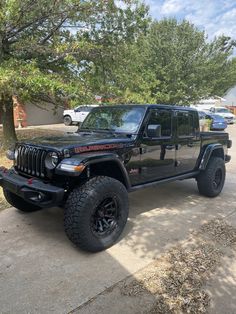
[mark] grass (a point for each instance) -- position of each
(22, 134)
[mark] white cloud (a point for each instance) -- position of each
(216, 17)
(171, 7)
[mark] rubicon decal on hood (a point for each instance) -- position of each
(90, 148)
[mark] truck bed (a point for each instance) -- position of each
(212, 137)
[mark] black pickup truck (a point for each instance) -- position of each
(118, 149)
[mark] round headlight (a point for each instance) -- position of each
(10, 154)
(51, 160)
(16, 153)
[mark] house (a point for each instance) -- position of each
(40, 114)
(206, 104)
(231, 100)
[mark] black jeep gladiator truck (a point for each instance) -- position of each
(117, 149)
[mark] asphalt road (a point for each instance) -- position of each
(42, 272)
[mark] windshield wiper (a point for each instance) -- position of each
(116, 133)
(111, 131)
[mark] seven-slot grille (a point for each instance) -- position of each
(31, 160)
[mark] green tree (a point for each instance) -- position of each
(110, 68)
(168, 62)
(44, 49)
(181, 66)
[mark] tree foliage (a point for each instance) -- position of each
(72, 50)
(45, 48)
(172, 63)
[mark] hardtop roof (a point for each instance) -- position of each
(152, 106)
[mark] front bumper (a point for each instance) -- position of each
(230, 120)
(31, 190)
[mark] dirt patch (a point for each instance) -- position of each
(177, 279)
(220, 231)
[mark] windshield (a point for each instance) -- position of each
(117, 119)
(223, 110)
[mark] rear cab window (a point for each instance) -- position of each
(185, 124)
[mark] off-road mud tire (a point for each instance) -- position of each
(80, 209)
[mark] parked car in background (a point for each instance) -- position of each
(224, 113)
(76, 115)
(217, 123)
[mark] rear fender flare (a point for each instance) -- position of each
(208, 152)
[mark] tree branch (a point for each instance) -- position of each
(43, 41)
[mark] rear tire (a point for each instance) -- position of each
(19, 203)
(67, 120)
(96, 213)
(211, 181)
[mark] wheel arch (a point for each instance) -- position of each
(98, 164)
(212, 150)
(112, 167)
(67, 115)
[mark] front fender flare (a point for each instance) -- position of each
(93, 158)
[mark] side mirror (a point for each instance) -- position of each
(154, 130)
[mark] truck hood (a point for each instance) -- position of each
(82, 139)
(68, 111)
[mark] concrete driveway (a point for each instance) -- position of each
(42, 272)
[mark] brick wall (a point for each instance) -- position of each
(20, 115)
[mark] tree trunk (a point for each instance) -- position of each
(9, 133)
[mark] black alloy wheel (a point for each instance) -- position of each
(105, 217)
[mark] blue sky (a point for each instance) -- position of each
(216, 17)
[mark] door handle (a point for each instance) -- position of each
(170, 147)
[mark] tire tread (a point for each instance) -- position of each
(205, 179)
(77, 204)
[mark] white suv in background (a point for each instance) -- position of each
(76, 115)
(224, 113)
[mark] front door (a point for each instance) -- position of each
(158, 154)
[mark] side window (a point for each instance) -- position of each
(185, 123)
(201, 115)
(163, 118)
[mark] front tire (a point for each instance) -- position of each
(96, 213)
(67, 120)
(211, 181)
(19, 203)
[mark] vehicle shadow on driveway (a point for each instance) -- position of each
(158, 216)
(162, 215)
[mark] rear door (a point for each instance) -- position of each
(158, 154)
(187, 140)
